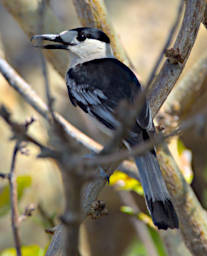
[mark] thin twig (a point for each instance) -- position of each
(159, 138)
(50, 99)
(167, 43)
(14, 201)
(72, 182)
(4, 175)
(20, 134)
(27, 212)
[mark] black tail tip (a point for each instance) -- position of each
(163, 214)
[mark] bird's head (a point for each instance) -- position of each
(82, 43)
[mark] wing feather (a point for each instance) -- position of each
(100, 85)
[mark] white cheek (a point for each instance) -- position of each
(78, 49)
(87, 50)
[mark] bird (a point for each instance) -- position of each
(97, 82)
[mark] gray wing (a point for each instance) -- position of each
(92, 101)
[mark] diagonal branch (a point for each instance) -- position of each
(156, 140)
(178, 55)
(191, 214)
(167, 43)
(50, 100)
(188, 90)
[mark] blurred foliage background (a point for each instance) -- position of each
(143, 27)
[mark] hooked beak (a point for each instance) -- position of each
(49, 37)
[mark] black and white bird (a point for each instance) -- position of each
(97, 82)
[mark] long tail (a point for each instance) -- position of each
(157, 197)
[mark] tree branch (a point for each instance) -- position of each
(188, 90)
(174, 243)
(167, 43)
(20, 133)
(193, 222)
(19, 130)
(177, 57)
(72, 178)
(192, 216)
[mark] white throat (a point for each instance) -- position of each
(90, 49)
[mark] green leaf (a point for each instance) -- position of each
(23, 182)
(157, 242)
(31, 250)
(127, 210)
(136, 249)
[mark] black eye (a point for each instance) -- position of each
(81, 37)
